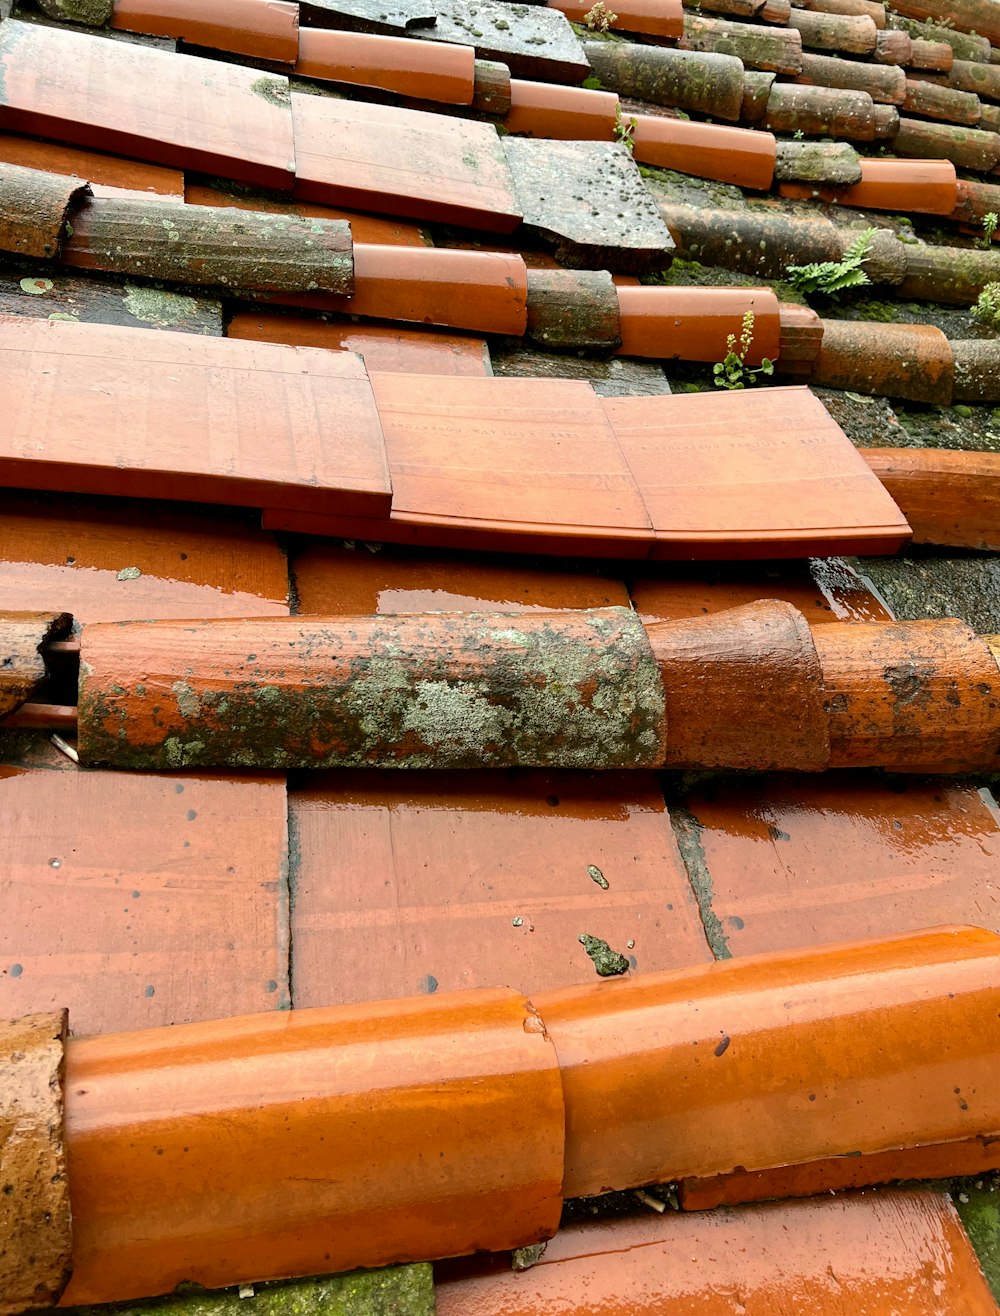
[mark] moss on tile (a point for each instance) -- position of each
(393, 1291)
(978, 1204)
(924, 586)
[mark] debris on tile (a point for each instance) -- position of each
(607, 962)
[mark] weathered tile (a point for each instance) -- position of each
(402, 162)
(140, 900)
(412, 883)
(370, 15)
(857, 1255)
(768, 472)
(236, 250)
(800, 862)
(23, 634)
(381, 347)
(258, 29)
(105, 560)
(59, 296)
(179, 110)
(532, 40)
(478, 459)
(33, 209)
(611, 379)
(588, 198)
(364, 228)
(188, 417)
(938, 586)
(342, 581)
(101, 171)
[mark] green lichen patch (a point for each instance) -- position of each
(94, 13)
(978, 1203)
(155, 306)
(608, 963)
(394, 1291)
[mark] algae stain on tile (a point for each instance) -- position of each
(155, 306)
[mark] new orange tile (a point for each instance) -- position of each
(402, 162)
(479, 459)
(140, 900)
(153, 104)
(693, 324)
(183, 416)
(381, 347)
(364, 228)
(800, 862)
(103, 172)
(259, 29)
(412, 882)
(858, 1255)
(351, 582)
(763, 473)
(430, 71)
(114, 561)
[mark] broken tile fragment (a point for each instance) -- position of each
(22, 662)
(133, 100)
(402, 162)
(239, 250)
(33, 209)
(588, 199)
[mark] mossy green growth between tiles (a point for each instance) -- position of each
(393, 1291)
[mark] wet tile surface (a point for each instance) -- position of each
(111, 560)
(100, 170)
(342, 581)
(798, 862)
(140, 900)
(414, 882)
(856, 1255)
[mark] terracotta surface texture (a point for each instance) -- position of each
(104, 172)
(731, 155)
(489, 459)
(142, 901)
(112, 562)
(727, 486)
(35, 1228)
(381, 347)
(430, 881)
(276, 434)
(856, 1255)
(433, 71)
(761, 1042)
(948, 497)
(800, 863)
(33, 208)
(119, 97)
(402, 162)
(563, 689)
(22, 662)
(260, 29)
(694, 323)
(232, 1113)
(574, 113)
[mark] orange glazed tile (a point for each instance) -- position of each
(430, 71)
(183, 416)
(742, 156)
(542, 109)
(495, 457)
(355, 582)
(798, 862)
(103, 172)
(904, 1253)
(482, 290)
(139, 900)
(762, 474)
(834, 593)
(135, 100)
(402, 162)
(259, 29)
(452, 880)
(926, 187)
(105, 561)
(381, 347)
(364, 228)
(692, 324)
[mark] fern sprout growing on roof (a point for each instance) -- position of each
(832, 277)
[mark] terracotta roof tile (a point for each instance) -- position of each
(259, 29)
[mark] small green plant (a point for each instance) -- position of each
(732, 371)
(599, 17)
(832, 277)
(624, 128)
(990, 221)
(987, 308)
(798, 134)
